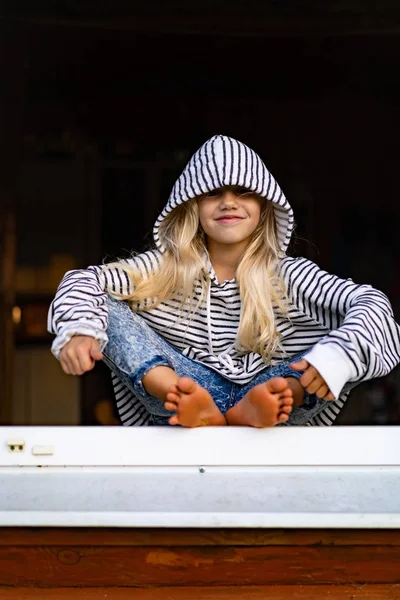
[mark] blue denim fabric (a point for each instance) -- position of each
(134, 348)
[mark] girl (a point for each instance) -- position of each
(219, 326)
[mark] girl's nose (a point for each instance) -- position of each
(228, 198)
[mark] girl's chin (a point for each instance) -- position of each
(229, 240)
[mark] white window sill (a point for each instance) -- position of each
(207, 477)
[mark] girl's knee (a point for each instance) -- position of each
(121, 315)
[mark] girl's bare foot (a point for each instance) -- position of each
(265, 405)
(193, 405)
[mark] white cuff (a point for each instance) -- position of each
(333, 365)
(68, 332)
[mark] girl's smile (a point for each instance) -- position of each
(230, 215)
(229, 219)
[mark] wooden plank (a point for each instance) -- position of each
(319, 592)
(61, 566)
(26, 536)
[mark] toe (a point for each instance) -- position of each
(287, 400)
(282, 418)
(173, 420)
(172, 397)
(276, 384)
(187, 385)
(286, 410)
(287, 393)
(170, 405)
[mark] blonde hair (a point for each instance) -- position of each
(183, 267)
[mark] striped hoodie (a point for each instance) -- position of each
(348, 329)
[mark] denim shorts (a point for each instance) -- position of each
(134, 348)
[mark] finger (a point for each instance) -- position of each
(76, 367)
(95, 351)
(322, 391)
(85, 360)
(64, 365)
(73, 363)
(69, 362)
(315, 385)
(300, 365)
(308, 376)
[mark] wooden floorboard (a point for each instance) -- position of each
(347, 592)
(57, 536)
(143, 564)
(124, 566)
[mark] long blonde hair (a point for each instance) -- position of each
(183, 267)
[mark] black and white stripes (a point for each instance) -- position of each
(348, 329)
(225, 161)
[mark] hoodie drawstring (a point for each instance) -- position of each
(210, 346)
(224, 358)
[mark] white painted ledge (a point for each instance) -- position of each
(206, 477)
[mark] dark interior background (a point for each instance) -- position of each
(104, 103)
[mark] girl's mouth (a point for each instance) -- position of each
(229, 219)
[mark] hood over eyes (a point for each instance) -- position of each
(223, 161)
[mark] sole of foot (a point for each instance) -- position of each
(265, 405)
(194, 406)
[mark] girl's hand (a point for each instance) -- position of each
(312, 381)
(79, 355)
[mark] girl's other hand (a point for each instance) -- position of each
(312, 381)
(79, 355)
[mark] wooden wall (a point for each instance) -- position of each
(144, 564)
